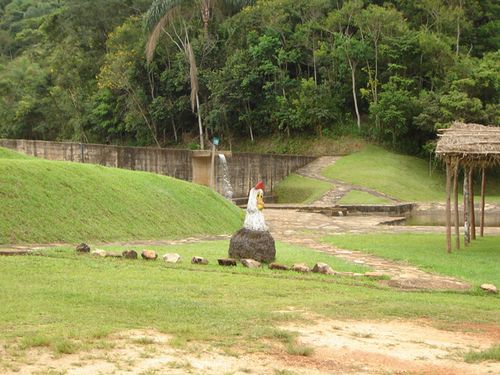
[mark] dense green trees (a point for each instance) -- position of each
(393, 71)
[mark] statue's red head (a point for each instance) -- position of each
(260, 185)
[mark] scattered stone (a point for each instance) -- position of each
(172, 258)
(489, 288)
(252, 244)
(227, 262)
(375, 274)
(250, 263)
(129, 254)
(111, 254)
(199, 260)
(276, 266)
(359, 261)
(301, 267)
(83, 248)
(149, 254)
(323, 268)
(14, 252)
(99, 252)
(357, 274)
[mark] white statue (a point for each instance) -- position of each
(254, 220)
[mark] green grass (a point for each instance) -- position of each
(360, 197)
(400, 176)
(5, 153)
(71, 302)
(491, 354)
(47, 201)
(478, 263)
(299, 189)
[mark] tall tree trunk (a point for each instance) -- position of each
(200, 126)
(205, 16)
(352, 65)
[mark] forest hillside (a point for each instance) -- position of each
(162, 72)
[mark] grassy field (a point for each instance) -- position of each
(71, 302)
(400, 176)
(299, 189)
(478, 263)
(360, 197)
(47, 201)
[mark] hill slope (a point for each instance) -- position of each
(47, 201)
(400, 176)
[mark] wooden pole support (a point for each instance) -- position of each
(472, 209)
(483, 195)
(448, 207)
(455, 196)
(466, 208)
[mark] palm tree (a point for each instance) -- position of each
(161, 13)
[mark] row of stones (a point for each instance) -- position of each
(322, 268)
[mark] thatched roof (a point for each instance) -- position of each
(470, 144)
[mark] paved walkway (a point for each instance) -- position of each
(313, 170)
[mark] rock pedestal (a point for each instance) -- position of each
(252, 244)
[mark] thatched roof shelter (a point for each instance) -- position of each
(468, 146)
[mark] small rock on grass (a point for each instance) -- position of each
(323, 268)
(171, 258)
(99, 252)
(489, 288)
(83, 248)
(149, 255)
(129, 254)
(250, 263)
(375, 274)
(112, 254)
(227, 262)
(277, 266)
(199, 260)
(301, 267)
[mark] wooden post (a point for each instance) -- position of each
(472, 210)
(455, 194)
(448, 206)
(466, 208)
(483, 191)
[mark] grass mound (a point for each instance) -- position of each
(360, 197)
(9, 154)
(400, 176)
(47, 201)
(299, 189)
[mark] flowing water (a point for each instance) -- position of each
(227, 189)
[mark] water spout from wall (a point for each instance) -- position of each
(227, 189)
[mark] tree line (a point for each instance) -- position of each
(151, 72)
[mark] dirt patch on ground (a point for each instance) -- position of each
(340, 347)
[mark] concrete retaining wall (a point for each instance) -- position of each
(245, 169)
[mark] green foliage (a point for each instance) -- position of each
(44, 201)
(76, 70)
(475, 264)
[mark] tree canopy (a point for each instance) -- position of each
(394, 71)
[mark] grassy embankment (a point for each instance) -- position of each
(400, 176)
(299, 189)
(46, 201)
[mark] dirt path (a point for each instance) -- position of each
(338, 347)
(313, 170)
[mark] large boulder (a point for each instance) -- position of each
(252, 244)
